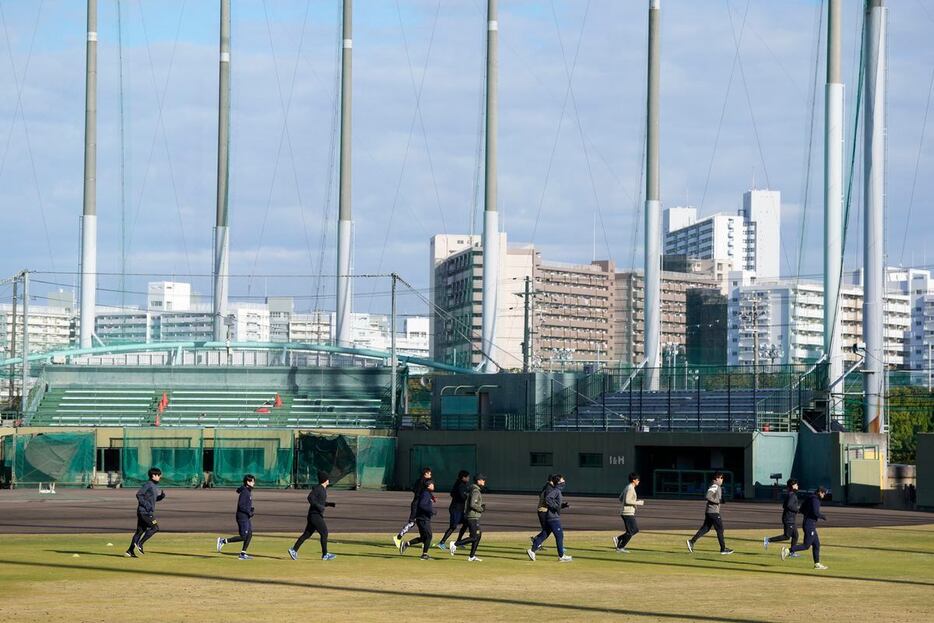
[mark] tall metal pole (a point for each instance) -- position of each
(527, 330)
(873, 229)
(25, 393)
(833, 197)
(13, 342)
(393, 357)
(653, 207)
(490, 213)
(345, 221)
(89, 212)
(221, 230)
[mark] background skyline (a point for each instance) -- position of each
(570, 160)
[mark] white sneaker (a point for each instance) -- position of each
(474, 559)
(690, 546)
(616, 543)
(784, 553)
(220, 543)
(452, 548)
(565, 558)
(531, 554)
(765, 542)
(819, 566)
(622, 550)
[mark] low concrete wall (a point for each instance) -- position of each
(924, 465)
(504, 457)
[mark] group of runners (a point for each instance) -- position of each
(466, 510)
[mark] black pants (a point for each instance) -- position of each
(811, 539)
(790, 532)
(315, 524)
(245, 532)
(474, 539)
(146, 526)
(456, 521)
(632, 529)
(711, 521)
(424, 533)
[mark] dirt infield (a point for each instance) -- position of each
(26, 511)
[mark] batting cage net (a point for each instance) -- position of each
(60, 458)
(266, 454)
(352, 462)
(178, 452)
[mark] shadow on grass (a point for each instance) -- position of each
(390, 593)
(115, 555)
(836, 545)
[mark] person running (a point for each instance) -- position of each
(318, 501)
(542, 510)
(811, 512)
(244, 518)
(417, 489)
(553, 503)
(473, 510)
(424, 511)
(146, 524)
(790, 507)
(712, 515)
(459, 492)
(628, 513)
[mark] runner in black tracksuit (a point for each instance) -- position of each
(811, 511)
(553, 503)
(146, 524)
(459, 493)
(542, 510)
(424, 511)
(473, 510)
(318, 501)
(712, 518)
(790, 507)
(244, 518)
(417, 489)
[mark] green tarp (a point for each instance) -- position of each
(178, 453)
(62, 458)
(352, 462)
(267, 455)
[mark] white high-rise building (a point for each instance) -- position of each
(169, 296)
(749, 240)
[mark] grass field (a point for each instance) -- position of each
(883, 574)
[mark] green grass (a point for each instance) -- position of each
(882, 574)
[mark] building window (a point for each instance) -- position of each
(590, 459)
(541, 459)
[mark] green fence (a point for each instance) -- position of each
(266, 454)
(179, 453)
(352, 462)
(62, 458)
(445, 461)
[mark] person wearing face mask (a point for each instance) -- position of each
(473, 509)
(553, 503)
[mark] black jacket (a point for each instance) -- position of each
(318, 499)
(459, 493)
(554, 502)
(426, 506)
(811, 509)
(245, 502)
(790, 507)
(147, 496)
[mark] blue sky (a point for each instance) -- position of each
(416, 168)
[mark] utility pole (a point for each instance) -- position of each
(13, 342)
(89, 211)
(344, 305)
(750, 316)
(833, 196)
(221, 230)
(527, 330)
(874, 226)
(490, 213)
(393, 357)
(25, 394)
(653, 206)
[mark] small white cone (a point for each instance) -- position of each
(75, 556)
(110, 545)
